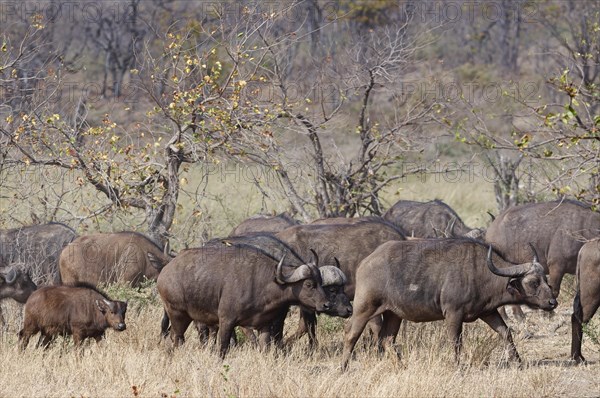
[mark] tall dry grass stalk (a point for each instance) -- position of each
(136, 363)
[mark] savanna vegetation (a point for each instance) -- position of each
(179, 119)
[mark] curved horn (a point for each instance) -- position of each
(11, 276)
(337, 263)
(513, 272)
(279, 272)
(300, 273)
(315, 257)
(535, 255)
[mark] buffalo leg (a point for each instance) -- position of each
(582, 313)
(78, 338)
(203, 332)
(353, 331)
(516, 310)
(307, 324)
(375, 324)
(165, 325)
(389, 330)
(264, 337)
(179, 324)
(277, 328)
(250, 336)
(577, 330)
(495, 321)
(226, 330)
(24, 337)
(454, 326)
(44, 340)
(555, 278)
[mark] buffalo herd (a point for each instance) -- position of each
(419, 262)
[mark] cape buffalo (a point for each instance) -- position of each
(235, 285)
(262, 223)
(587, 297)
(111, 257)
(333, 281)
(556, 229)
(450, 279)
(332, 277)
(36, 248)
(348, 242)
(432, 219)
(15, 284)
(80, 310)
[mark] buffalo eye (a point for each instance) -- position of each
(535, 284)
(309, 284)
(333, 290)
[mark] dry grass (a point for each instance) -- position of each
(136, 363)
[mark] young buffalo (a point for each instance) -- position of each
(80, 310)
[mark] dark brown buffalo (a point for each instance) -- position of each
(349, 243)
(263, 223)
(458, 280)
(333, 278)
(333, 285)
(237, 285)
(80, 311)
(555, 229)
(15, 284)
(111, 257)
(37, 249)
(434, 219)
(587, 296)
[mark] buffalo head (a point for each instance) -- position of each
(114, 313)
(527, 281)
(306, 284)
(333, 284)
(15, 284)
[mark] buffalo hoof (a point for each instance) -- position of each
(579, 359)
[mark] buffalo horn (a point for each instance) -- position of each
(513, 272)
(279, 273)
(337, 263)
(315, 257)
(10, 276)
(535, 255)
(302, 272)
(332, 276)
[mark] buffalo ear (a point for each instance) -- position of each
(101, 306)
(155, 261)
(513, 286)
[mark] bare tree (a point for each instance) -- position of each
(340, 184)
(195, 112)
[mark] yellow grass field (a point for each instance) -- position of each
(135, 363)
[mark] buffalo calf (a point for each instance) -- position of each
(80, 311)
